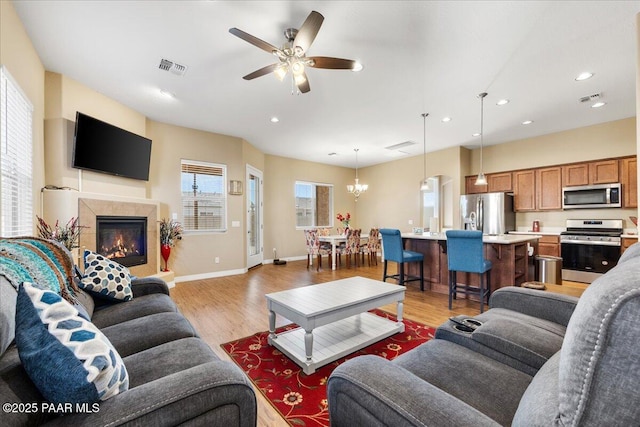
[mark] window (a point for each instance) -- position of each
(314, 204)
(16, 165)
(204, 199)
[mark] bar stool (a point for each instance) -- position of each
(465, 254)
(394, 251)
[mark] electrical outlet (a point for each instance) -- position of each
(217, 260)
(410, 222)
(174, 215)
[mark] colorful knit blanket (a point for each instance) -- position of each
(46, 263)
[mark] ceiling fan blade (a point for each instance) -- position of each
(304, 87)
(262, 71)
(267, 47)
(332, 63)
(309, 30)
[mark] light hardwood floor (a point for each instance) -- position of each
(227, 308)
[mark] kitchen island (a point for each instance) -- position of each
(510, 254)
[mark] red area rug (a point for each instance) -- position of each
(302, 399)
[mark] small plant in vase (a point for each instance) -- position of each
(170, 231)
(344, 220)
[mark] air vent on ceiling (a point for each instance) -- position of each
(168, 65)
(400, 145)
(589, 98)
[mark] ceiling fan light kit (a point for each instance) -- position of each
(293, 57)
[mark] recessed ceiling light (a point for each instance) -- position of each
(446, 119)
(598, 104)
(476, 134)
(584, 76)
(527, 122)
(167, 94)
(502, 102)
(274, 120)
(357, 67)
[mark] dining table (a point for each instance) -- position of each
(335, 240)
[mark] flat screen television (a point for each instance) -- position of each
(101, 147)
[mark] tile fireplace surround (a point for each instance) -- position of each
(89, 209)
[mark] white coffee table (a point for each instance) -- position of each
(333, 319)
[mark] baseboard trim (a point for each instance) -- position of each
(210, 275)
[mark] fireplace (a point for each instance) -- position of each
(122, 239)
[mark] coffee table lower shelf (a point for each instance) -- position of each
(335, 340)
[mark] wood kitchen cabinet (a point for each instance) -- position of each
(500, 182)
(549, 188)
(626, 242)
(577, 174)
(549, 245)
(472, 188)
(524, 190)
(629, 180)
(587, 173)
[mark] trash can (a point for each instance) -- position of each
(549, 269)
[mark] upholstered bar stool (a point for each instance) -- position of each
(465, 254)
(394, 251)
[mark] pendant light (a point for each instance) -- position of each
(481, 180)
(424, 185)
(358, 188)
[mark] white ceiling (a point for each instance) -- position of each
(433, 57)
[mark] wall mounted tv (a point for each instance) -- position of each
(101, 147)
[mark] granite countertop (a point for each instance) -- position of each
(629, 236)
(502, 239)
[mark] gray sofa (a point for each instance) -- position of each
(510, 377)
(174, 377)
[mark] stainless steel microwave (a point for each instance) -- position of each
(592, 196)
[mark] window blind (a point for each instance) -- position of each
(204, 199)
(16, 165)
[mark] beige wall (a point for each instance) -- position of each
(65, 97)
(196, 253)
(20, 58)
(280, 175)
(394, 197)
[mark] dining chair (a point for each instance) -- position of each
(315, 248)
(393, 250)
(351, 247)
(465, 253)
(371, 247)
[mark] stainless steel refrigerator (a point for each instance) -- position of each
(491, 213)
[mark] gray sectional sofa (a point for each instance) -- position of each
(534, 359)
(174, 376)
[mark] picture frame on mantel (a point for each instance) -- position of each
(235, 187)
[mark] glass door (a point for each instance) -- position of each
(255, 250)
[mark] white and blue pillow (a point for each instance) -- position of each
(105, 278)
(67, 357)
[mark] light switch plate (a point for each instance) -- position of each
(235, 223)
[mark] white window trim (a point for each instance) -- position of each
(21, 209)
(324, 184)
(223, 167)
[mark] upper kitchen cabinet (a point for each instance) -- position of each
(472, 188)
(538, 189)
(524, 190)
(629, 180)
(500, 182)
(599, 172)
(549, 188)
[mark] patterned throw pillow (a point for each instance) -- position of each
(105, 278)
(67, 357)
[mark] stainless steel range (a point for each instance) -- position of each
(590, 248)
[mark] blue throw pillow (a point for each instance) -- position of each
(105, 278)
(67, 357)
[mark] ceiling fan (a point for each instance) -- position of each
(293, 57)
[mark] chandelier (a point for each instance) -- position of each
(358, 188)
